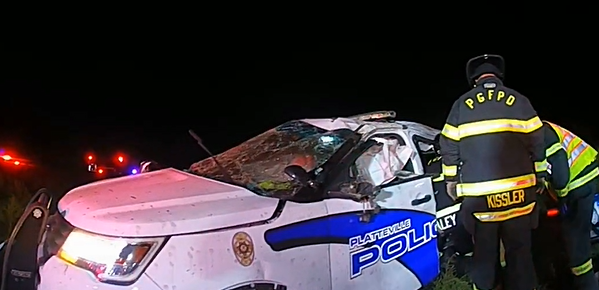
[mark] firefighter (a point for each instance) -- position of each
(575, 179)
(492, 145)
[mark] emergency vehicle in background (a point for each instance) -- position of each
(119, 165)
(10, 159)
(336, 203)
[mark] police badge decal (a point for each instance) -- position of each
(243, 248)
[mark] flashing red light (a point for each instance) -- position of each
(100, 171)
(552, 212)
(6, 157)
(90, 157)
(121, 159)
(17, 162)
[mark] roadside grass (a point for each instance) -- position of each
(14, 196)
(449, 280)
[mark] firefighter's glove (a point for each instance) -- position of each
(541, 185)
(451, 187)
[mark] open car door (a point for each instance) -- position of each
(391, 237)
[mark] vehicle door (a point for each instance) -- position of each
(390, 241)
(446, 207)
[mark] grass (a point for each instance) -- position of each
(450, 281)
(14, 196)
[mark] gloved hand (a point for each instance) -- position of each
(541, 185)
(451, 187)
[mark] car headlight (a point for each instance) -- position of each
(111, 260)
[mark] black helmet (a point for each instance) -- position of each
(483, 64)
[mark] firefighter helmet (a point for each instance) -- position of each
(483, 64)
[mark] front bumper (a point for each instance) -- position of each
(58, 275)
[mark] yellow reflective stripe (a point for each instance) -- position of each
(499, 216)
(491, 126)
(434, 160)
(553, 149)
(541, 166)
(449, 210)
(585, 267)
(500, 125)
(439, 178)
(450, 170)
(451, 132)
(496, 186)
(578, 182)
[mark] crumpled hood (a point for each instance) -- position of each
(161, 203)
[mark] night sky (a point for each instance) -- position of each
(60, 102)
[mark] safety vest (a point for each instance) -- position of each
(580, 155)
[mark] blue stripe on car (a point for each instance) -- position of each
(339, 228)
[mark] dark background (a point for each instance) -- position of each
(61, 101)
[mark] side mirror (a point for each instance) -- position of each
(366, 188)
(299, 174)
(359, 190)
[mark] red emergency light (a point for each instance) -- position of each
(552, 212)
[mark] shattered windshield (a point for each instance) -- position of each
(258, 164)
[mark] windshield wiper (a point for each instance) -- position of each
(223, 171)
